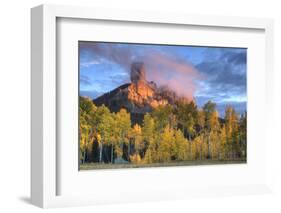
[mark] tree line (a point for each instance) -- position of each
(169, 133)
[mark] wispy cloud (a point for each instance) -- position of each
(85, 80)
(89, 63)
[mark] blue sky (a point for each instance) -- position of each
(204, 73)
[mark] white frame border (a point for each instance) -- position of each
(43, 91)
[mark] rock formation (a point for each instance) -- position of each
(138, 72)
(137, 97)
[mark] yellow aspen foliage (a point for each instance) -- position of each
(137, 138)
(223, 145)
(98, 137)
(215, 145)
(148, 158)
(136, 159)
(193, 149)
(201, 119)
(215, 125)
(180, 148)
(166, 145)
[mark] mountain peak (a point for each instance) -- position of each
(138, 97)
(140, 89)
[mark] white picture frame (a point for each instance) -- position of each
(45, 171)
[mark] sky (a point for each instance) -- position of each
(202, 73)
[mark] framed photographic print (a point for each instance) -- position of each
(149, 106)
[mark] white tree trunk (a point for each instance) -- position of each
(100, 152)
(129, 150)
(84, 156)
(111, 153)
(209, 146)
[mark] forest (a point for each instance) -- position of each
(183, 134)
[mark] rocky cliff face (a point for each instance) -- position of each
(138, 97)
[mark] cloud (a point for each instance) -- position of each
(162, 68)
(176, 73)
(112, 52)
(235, 58)
(89, 63)
(226, 79)
(90, 94)
(85, 80)
(225, 74)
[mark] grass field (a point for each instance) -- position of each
(91, 166)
